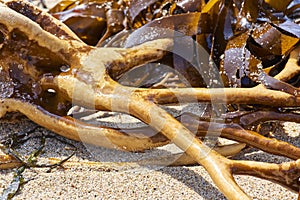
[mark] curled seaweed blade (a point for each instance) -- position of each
(191, 5)
(271, 42)
(268, 38)
(273, 83)
(278, 5)
(135, 7)
(250, 10)
(88, 21)
(234, 56)
(165, 27)
(289, 27)
(293, 11)
(213, 4)
(241, 51)
(64, 5)
(115, 23)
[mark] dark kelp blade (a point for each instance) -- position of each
(64, 5)
(272, 41)
(289, 27)
(234, 56)
(135, 7)
(278, 5)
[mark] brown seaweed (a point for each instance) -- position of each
(242, 55)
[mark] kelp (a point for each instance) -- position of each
(240, 57)
(268, 34)
(30, 161)
(15, 185)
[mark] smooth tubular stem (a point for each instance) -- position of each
(215, 164)
(286, 174)
(237, 133)
(80, 131)
(262, 116)
(64, 48)
(291, 68)
(139, 55)
(217, 95)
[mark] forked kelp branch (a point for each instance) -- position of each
(239, 57)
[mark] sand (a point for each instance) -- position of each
(111, 180)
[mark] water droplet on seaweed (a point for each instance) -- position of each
(65, 68)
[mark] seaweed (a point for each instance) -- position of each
(241, 58)
(30, 161)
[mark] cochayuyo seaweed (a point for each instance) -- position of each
(241, 58)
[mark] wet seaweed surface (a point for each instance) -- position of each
(250, 48)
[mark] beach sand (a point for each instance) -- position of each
(117, 177)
